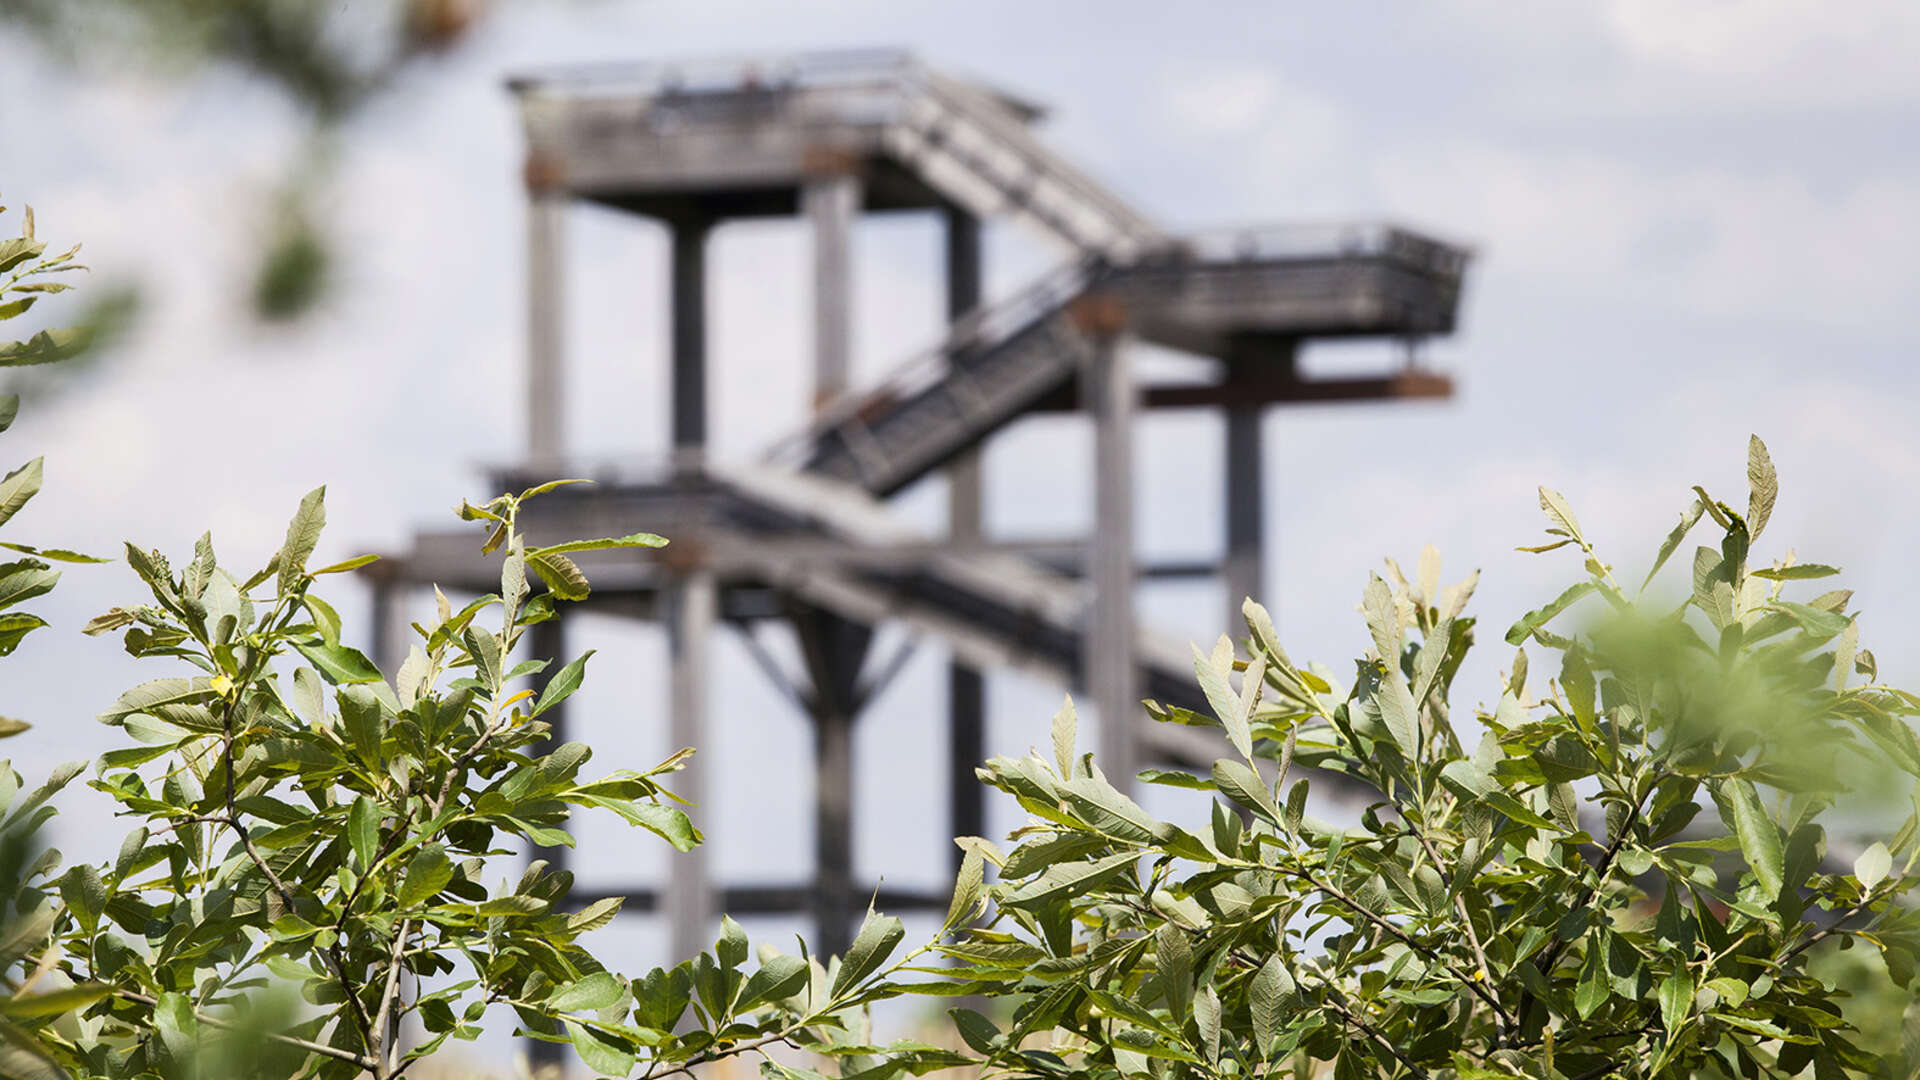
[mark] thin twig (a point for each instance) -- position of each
(385, 1013)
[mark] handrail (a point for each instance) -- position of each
(719, 72)
(959, 97)
(835, 82)
(1327, 239)
(985, 325)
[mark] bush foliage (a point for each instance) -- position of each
(1623, 867)
(1537, 894)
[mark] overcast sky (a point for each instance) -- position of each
(1694, 220)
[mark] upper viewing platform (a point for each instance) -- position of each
(736, 138)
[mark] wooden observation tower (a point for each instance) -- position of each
(804, 534)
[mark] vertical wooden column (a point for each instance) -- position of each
(1241, 567)
(966, 687)
(1112, 674)
(834, 650)
(830, 202)
(391, 633)
(546, 316)
(691, 603)
(689, 361)
(548, 641)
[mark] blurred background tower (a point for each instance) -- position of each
(803, 535)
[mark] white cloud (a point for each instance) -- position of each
(1774, 51)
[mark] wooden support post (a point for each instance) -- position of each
(689, 316)
(391, 634)
(833, 894)
(548, 641)
(546, 314)
(966, 686)
(692, 601)
(834, 650)
(1241, 567)
(831, 202)
(1112, 674)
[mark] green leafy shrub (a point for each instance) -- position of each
(1542, 898)
(308, 827)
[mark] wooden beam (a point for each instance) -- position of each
(1273, 391)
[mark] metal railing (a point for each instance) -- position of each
(1352, 239)
(862, 88)
(984, 327)
(718, 74)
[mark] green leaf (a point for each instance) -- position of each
(179, 1031)
(85, 894)
(667, 822)
(291, 928)
(428, 872)
(1676, 998)
(1237, 781)
(1672, 542)
(341, 665)
(56, 554)
(20, 485)
(562, 577)
(1763, 484)
(563, 683)
(55, 1002)
(484, 647)
(602, 1053)
(632, 540)
(878, 937)
(1872, 866)
(779, 977)
(1383, 620)
(1594, 987)
(968, 886)
(1732, 991)
(325, 619)
(1065, 879)
(1558, 512)
(594, 915)
(354, 563)
(1398, 712)
(363, 830)
(14, 627)
(594, 992)
(1271, 996)
(25, 579)
(1818, 623)
(1065, 727)
(1212, 671)
(513, 904)
(978, 1032)
(168, 699)
(1206, 1015)
(303, 532)
(1520, 631)
(1759, 836)
(1797, 572)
